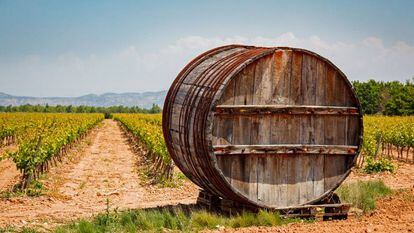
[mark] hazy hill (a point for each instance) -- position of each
(144, 100)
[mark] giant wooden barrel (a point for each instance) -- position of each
(269, 127)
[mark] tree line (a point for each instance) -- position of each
(79, 109)
(386, 98)
(376, 97)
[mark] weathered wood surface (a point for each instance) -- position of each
(283, 131)
(294, 105)
(284, 149)
(284, 109)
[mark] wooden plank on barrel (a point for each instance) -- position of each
(259, 135)
(278, 129)
(243, 94)
(244, 86)
(330, 87)
(262, 81)
(281, 183)
(262, 94)
(334, 170)
(305, 175)
(292, 197)
(330, 123)
(228, 95)
(307, 184)
(280, 83)
(318, 162)
(223, 129)
(342, 92)
(225, 166)
(308, 87)
(321, 83)
(341, 99)
(175, 119)
(294, 166)
(340, 162)
(334, 133)
(241, 131)
(261, 176)
(296, 79)
(271, 179)
(330, 130)
(266, 191)
(251, 175)
(281, 77)
(282, 133)
(309, 78)
(352, 133)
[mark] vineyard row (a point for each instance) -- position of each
(42, 138)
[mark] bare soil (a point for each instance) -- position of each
(102, 170)
(9, 175)
(401, 178)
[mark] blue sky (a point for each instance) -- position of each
(70, 48)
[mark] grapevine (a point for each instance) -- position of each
(385, 134)
(43, 138)
(147, 129)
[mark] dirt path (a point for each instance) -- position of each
(103, 170)
(9, 175)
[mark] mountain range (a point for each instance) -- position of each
(143, 100)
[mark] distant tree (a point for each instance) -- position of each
(155, 109)
(369, 95)
(69, 108)
(79, 109)
(389, 98)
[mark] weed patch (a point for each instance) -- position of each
(381, 165)
(362, 194)
(175, 219)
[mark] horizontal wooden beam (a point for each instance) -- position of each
(285, 109)
(284, 149)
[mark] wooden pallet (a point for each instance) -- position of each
(326, 211)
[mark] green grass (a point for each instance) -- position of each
(362, 194)
(12, 229)
(174, 219)
(34, 189)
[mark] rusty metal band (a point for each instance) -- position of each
(189, 106)
(171, 95)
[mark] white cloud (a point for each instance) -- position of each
(136, 69)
